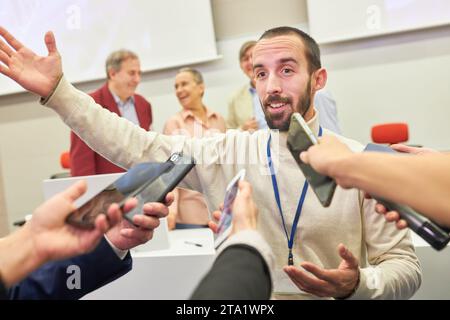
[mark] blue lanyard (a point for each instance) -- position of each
(290, 239)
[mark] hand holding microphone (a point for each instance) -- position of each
(335, 159)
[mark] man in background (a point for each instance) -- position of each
(117, 95)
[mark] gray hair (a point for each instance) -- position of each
(198, 78)
(115, 59)
(247, 45)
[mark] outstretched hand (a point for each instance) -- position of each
(34, 73)
(125, 236)
(53, 238)
(337, 283)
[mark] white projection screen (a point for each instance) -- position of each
(340, 20)
(164, 34)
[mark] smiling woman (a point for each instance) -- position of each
(86, 35)
(195, 120)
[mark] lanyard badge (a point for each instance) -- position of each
(290, 239)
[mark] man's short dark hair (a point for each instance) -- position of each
(312, 50)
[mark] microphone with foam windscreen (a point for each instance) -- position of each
(437, 236)
(390, 133)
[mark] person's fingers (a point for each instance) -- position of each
(245, 189)
(380, 208)
(306, 282)
(4, 58)
(75, 191)
(114, 214)
(101, 223)
(348, 256)
(304, 156)
(146, 222)
(401, 224)
(170, 198)
(6, 71)
(292, 273)
(13, 42)
(392, 216)
(367, 196)
(412, 150)
(5, 49)
(130, 204)
(213, 226)
(50, 42)
(137, 234)
(244, 199)
(216, 215)
(155, 209)
(400, 147)
(320, 273)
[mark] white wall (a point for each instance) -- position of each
(401, 77)
(397, 78)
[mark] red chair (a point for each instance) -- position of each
(390, 133)
(64, 161)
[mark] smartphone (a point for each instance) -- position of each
(171, 173)
(224, 227)
(148, 182)
(300, 138)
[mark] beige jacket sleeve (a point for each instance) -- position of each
(116, 138)
(390, 268)
(240, 108)
(232, 119)
(126, 144)
(394, 270)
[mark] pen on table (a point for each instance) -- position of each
(23, 221)
(193, 243)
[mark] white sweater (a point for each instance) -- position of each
(389, 267)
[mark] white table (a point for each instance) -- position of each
(435, 271)
(174, 273)
(165, 274)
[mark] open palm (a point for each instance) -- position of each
(34, 73)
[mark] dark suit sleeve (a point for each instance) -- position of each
(239, 273)
(3, 292)
(97, 268)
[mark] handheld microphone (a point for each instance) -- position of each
(437, 236)
(428, 230)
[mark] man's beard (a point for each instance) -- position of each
(302, 107)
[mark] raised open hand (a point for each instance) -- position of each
(34, 73)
